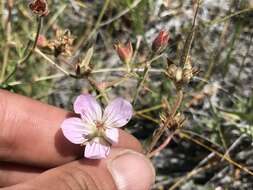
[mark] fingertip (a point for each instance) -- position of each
(125, 168)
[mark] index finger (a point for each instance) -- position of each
(30, 133)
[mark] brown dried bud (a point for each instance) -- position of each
(161, 42)
(125, 51)
(62, 44)
(39, 7)
(172, 122)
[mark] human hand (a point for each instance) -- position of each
(35, 155)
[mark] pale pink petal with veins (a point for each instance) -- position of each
(89, 109)
(75, 130)
(117, 113)
(112, 135)
(96, 150)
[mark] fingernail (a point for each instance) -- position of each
(132, 170)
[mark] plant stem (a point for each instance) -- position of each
(186, 136)
(52, 62)
(178, 102)
(162, 146)
(220, 20)
(147, 117)
(27, 56)
(149, 109)
(34, 43)
(161, 130)
(141, 82)
(8, 37)
(85, 39)
(122, 13)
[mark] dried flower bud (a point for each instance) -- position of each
(172, 122)
(161, 42)
(42, 41)
(125, 51)
(187, 71)
(39, 7)
(62, 44)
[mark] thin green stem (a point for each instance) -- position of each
(52, 62)
(147, 117)
(34, 43)
(220, 20)
(8, 37)
(85, 39)
(222, 156)
(28, 55)
(153, 108)
(44, 78)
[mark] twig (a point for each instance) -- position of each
(34, 43)
(52, 62)
(189, 39)
(147, 117)
(141, 82)
(220, 20)
(132, 6)
(149, 109)
(118, 69)
(222, 156)
(189, 175)
(85, 39)
(144, 75)
(180, 96)
(138, 43)
(28, 55)
(162, 146)
(8, 37)
(50, 77)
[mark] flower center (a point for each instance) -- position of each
(99, 125)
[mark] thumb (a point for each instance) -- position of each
(122, 170)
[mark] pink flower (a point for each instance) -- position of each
(96, 129)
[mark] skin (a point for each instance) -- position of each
(34, 154)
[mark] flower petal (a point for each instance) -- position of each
(112, 135)
(75, 130)
(89, 109)
(117, 113)
(96, 150)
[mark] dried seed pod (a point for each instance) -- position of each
(172, 122)
(62, 44)
(171, 70)
(187, 75)
(178, 75)
(187, 71)
(39, 7)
